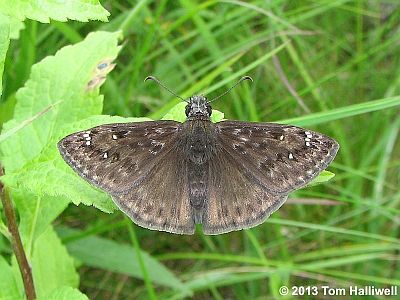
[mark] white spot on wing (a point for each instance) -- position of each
(236, 131)
(114, 137)
(281, 137)
(105, 155)
(290, 156)
(88, 143)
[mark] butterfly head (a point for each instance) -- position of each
(198, 106)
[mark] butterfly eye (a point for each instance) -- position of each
(187, 110)
(209, 109)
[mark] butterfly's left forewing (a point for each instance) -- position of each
(282, 158)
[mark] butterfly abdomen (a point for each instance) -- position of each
(198, 188)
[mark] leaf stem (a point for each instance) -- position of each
(16, 242)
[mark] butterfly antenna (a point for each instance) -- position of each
(164, 86)
(240, 80)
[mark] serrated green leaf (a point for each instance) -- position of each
(4, 43)
(62, 77)
(65, 293)
(45, 10)
(111, 256)
(177, 113)
(52, 267)
(8, 285)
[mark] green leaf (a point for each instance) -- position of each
(177, 113)
(52, 267)
(6, 111)
(323, 177)
(9, 288)
(111, 256)
(65, 293)
(16, 26)
(36, 213)
(64, 78)
(31, 136)
(4, 43)
(44, 10)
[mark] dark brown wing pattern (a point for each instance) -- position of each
(282, 158)
(115, 157)
(135, 163)
(236, 201)
(255, 167)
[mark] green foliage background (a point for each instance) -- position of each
(332, 66)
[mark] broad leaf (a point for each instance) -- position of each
(9, 288)
(52, 267)
(58, 82)
(58, 88)
(45, 10)
(65, 293)
(4, 42)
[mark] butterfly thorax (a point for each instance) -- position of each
(199, 142)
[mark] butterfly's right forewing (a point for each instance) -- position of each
(116, 157)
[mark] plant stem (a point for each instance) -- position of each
(16, 242)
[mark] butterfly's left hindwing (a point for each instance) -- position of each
(235, 200)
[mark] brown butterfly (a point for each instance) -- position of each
(169, 176)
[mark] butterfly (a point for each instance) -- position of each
(170, 176)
